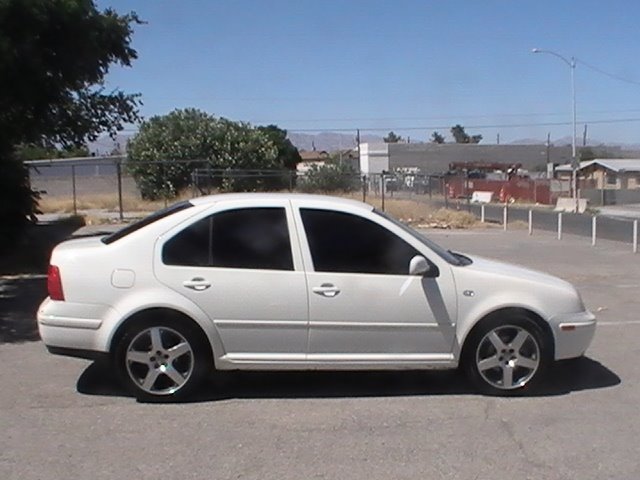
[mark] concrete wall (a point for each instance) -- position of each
(434, 158)
(610, 196)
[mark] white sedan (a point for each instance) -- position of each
(286, 281)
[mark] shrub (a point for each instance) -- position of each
(330, 177)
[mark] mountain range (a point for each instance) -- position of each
(333, 141)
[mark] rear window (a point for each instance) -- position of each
(154, 217)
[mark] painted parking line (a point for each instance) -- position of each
(618, 323)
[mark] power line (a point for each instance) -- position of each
(445, 127)
(607, 74)
(477, 127)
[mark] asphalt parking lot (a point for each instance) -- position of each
(63, 418)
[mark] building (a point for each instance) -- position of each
(432, 158)
(606, 181)
(313, 157)
(606, 173)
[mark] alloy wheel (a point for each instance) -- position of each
(159, 360)
(508, 357)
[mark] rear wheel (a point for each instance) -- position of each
(160, 360)
(507, 355)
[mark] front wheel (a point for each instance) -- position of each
(507, 356)
(161, 361)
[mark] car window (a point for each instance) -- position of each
(154, 217)
(341, 242)
(256, 238)
(448, 256)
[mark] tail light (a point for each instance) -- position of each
(54, 283)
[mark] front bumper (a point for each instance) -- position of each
(573, 333)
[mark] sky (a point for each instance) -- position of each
(408, 66)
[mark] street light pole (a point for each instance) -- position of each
(574, 160)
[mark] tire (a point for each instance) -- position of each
(507, 355)
(159, 360)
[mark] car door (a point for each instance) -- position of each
(239, 264)
(363, 304)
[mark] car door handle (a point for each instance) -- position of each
(197, 283)
(326, 290)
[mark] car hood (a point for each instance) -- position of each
(493, 267)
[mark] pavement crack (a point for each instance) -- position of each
(511, 433)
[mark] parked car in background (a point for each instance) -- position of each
(286, 281)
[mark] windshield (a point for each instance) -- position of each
(154, 217)
(446, 255)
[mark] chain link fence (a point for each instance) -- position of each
(108, 187)
(109, 184)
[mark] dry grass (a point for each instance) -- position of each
(518, 225)
(409, 211)
(104, 202)
(421, 214)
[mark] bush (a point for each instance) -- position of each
(330, 177)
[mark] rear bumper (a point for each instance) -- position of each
(76, 353)
(574, 333)
(71, 327)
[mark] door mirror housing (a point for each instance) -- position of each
(420, 266)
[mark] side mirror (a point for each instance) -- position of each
(419, 266)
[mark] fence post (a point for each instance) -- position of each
(593, 230)
(635, 236)
(430, 194)
(505, 217)
(530, 222)
(382, 189)
(119, 172)
(466, 189)
(560, 226)
(73, 186)
(446, 194)
(482, 213)
(364, 188)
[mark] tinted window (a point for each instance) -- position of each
(154, 217)
(192, 246)
(341, 242)
(452, 258)
(255, 238)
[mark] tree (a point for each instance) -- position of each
(392, 138)
(168, 149)
(38, 152)
(587, 153)
(598, 151)
(288, 155)
(54, 56)
(437, 138)
(460, 136)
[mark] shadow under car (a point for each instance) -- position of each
(564, 377)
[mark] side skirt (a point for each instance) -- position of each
(336, 362)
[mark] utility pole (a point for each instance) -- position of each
(549, 167)
(584, 136)
(575, 162)
(498, 139)
(358, 144)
